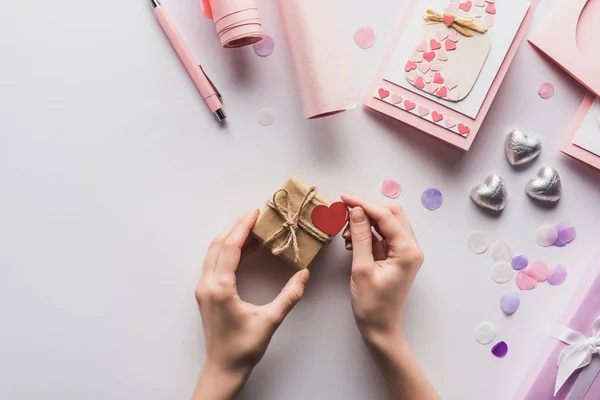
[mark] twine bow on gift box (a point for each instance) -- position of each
(463, 25)
(578, 354)
(293, 222)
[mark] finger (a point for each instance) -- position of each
(212, 255)
(289, 296)
(362, 240)
(398, 211)
(389, 225)
(348, 242)
(231, 251)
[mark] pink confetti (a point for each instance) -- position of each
(538, 270)
(546, 235)
(525, 282)
(391, 188)
(557, 275)
(364, 37)
(546, 90)
(264, 47)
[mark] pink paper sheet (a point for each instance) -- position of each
(583, 309)
(318, 52)
(436, 130)
(570, 38)
(575, 151)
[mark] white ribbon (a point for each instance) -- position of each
(577, 354)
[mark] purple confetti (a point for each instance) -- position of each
(500, 349)
(558, 275)
(566, 232)
(264, 47)
(559, 243)
(520, 262)
(432, 199)
(510, 302)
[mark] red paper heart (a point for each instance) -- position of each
(449, 19)
(462, 129)
(436, 116)
(419, 82)
(332, 219)
(410, 66)
(437, 78)
(491, 8)
(443, 92)
(466, 6)
(450, 45)
(429, 56)
(434, 44)
(409, 105)
(383, 93)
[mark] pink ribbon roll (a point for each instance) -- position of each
(237, 21)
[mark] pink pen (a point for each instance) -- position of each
(204, 85)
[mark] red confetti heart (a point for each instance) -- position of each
(409, 105)
(462, 129)
(450, 45)
(410, 66)
(466, 6)
(434, 44)
(443, 92)
(429, 56)
(419, 82)
(332, 219)
(449, 19)
(436, 116)
(491, 8)
(383, 93)
(437, 78)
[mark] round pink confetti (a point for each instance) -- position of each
(477, 242)
(557, 275)
(364, 37)
(546, 235)
(524, 281)
(546, 90)
(264, 47)
(390, 188)
(537, 270)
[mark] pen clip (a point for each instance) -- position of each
(211, 83)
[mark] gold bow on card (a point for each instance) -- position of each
(463, 25)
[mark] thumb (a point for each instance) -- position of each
(362, 239)
(289, 296)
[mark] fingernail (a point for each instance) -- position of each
(304, 274)
(357, 215)
(347, 234)
(348, 245)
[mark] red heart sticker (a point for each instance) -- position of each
(462, 129)
(383, 93)
(332, 219)
(436, 116)
(449, 19)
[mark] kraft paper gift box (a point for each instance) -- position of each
(579, 326)
(285, 224)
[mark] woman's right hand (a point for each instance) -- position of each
(383, 271)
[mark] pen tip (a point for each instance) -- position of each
(155, 3)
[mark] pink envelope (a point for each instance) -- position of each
(570, 37)
(574, 151)
(413, 118)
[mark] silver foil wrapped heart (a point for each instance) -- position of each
(491, 194)
(546, 185)
(521, 148)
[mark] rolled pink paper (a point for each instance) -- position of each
(319, 56)
(237, 21)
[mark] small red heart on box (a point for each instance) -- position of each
(443, 92)
(409, 105)
(434, 44)
(466, 6)
(450, 45)
(332, 219)
(437, 78)
(410, 66)
(491, 8)
(449, 19)
(383, 93)
(419, 82)
(429, 56)
(462, 129)
(436, 116)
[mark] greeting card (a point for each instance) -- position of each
(583, 141)
(569, 37)
(447, 63)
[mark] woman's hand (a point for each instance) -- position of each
(383, 271)
(236, 333)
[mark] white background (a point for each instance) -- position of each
(114, 178)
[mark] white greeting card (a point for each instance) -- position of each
(463, 69)
(588, 136)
